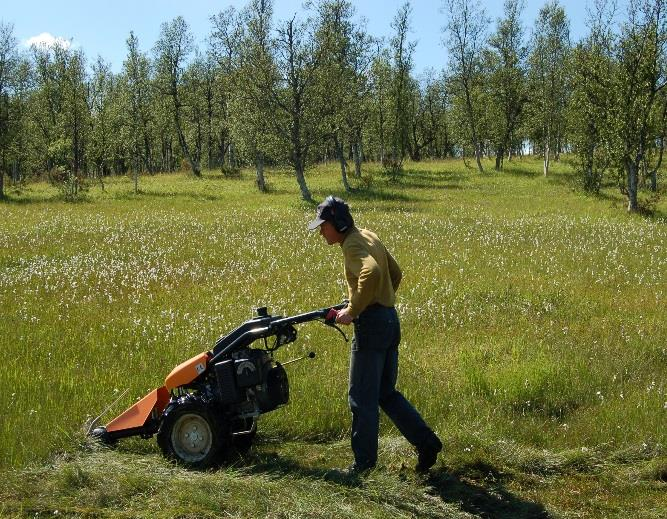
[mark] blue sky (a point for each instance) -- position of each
(100, 27)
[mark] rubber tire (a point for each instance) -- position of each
(190, 414)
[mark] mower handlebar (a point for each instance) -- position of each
(308, 316)
(273, 327)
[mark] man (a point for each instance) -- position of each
(373, 276)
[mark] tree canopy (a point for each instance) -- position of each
(265, 92)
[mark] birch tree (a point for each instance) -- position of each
(172, 49)
(100, 103)
(295, 99)
(507, 79)
(465, 38)
(8, 62)
(402, 51)
(136, 75)
(641, 77)
(593, 92)
(226, 48)
(548, 79)
(242, 44)
(380, 82)
(346, 51)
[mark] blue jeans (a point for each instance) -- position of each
(373, 373)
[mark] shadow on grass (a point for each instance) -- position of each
(517, 172)
(493, 501)
(454, 488)
(611, 194)
(56, 198)
(417, 179)
(273, 465)
(168, 195)
(378, 193)
(386, 188)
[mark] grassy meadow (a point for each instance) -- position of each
(534, 342)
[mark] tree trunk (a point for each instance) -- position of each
(653, 175)
(343, 163)
(194, 164)
(259, 166)
(546, 158)
(465, 158)
(381, 134)
(148, 162)
(231, 155)
(473, 128)
(478, 156)
(500, 155)
(301, 180)
(198, 143)
(632, 173)
(357, 159)
(2, 184)
(209, 127)
(222, 150)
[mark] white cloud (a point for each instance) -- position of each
(48, 40)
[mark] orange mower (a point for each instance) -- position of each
(209, 405)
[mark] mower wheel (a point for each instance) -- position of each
(192, 434)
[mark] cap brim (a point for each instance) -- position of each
(315, 224)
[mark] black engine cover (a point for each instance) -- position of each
(276, 390)
(252, 376)
(224, 374)
(248, 372)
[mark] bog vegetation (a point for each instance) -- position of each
(259, 91)
(145, 213)
(533, 324)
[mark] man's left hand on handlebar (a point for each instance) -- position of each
(344, 317)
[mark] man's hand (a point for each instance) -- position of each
(344, 317)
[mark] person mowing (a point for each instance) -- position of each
(373, 276)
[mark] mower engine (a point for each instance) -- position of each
(251, 382)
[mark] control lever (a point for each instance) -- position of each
(311, 355)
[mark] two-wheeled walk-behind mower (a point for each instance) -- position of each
(209, 405)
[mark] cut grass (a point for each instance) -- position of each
(292, 479)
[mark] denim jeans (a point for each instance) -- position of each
(373, 373)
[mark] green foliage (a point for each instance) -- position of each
(547, 81)
(298, 92)
(619, 109)
(591, 131)
(505, 62)
(466, 38)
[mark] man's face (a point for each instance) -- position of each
(329, 232)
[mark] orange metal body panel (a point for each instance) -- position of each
(138, 414)
(187, 371)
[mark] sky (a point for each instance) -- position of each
(101, 27)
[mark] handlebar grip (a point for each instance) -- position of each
(331, 316)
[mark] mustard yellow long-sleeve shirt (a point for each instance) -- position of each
(372, 274)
